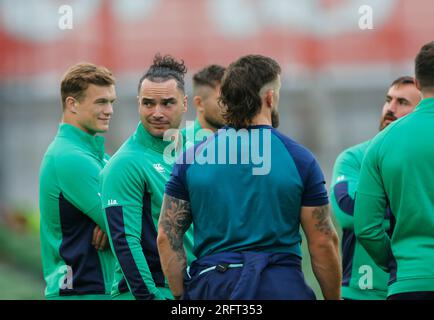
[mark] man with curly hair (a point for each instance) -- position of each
(133, 184)
(247, 221)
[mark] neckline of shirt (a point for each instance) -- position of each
(93, 143)
(148, 140)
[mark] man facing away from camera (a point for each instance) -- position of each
(246, 219)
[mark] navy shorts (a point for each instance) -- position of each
(276, 279)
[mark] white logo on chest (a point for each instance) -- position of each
(112, 203)
(158, 167)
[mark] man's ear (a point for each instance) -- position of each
(71, 104)
(269, 98)
(417, 83)
(198, 104)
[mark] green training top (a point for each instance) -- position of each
(362, 279)
(70, 207)
(132, 191)
(398, 169)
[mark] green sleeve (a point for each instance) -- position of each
(343, 188)
(78, 177)
(371, 203)
(123, 187)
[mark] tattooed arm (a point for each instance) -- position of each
(323, 245)
(175, 218)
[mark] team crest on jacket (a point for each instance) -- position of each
(158, 167)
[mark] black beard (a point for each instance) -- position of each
(388, 116)
(213, 123)
(274, 119)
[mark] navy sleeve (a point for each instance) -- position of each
(343, 198)
(315, 192)
(177, 185)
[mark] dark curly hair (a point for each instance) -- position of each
(425, 67)
(165, 68)
(240, 88)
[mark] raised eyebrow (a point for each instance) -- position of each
(169, 99)
(147, 100)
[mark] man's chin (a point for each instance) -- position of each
(157, 132)
(101, 129)
(385, 123)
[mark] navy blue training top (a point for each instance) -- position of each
(246, 188)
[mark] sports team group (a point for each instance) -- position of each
(186, 213)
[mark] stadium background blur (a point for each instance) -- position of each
(335, 76)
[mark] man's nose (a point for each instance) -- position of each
(158, 111)
(393, 106)
(108, 110)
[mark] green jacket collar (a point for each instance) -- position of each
(197, 125)
(426, 103)
(145, 138)
(95, 144)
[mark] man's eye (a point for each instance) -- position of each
(169, 103)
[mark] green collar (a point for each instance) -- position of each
(197, 125)
(95, 144)
(145, 138)
(425, 103)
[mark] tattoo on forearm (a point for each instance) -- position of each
(175, 219)
(323, 221)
